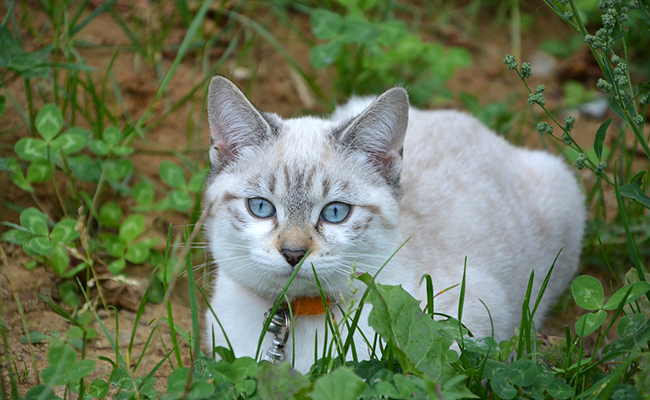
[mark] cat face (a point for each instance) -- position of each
(282, 189)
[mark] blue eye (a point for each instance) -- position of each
(261, 208)
(335, 212)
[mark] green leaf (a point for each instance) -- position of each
(172, 175)
(9, 47)
(576, 94)
(325, 54)
(410, 387)
(69, 294)
(122, 150)
(196, 181)
(419, 344)
(98, 147)
(588, 292)
(495, 369)
(143, 193)
(73, 140)
(65, 231)
(111, 136)
(16, 236)
(276, 382)
(357, 29)
(588, 323)
(31, 149)
(59, 260)
(180, 200)
(39, 171)
(600, 137)
(132, 227)
(630, 324)
(110, 215)
(342, 384)
(81, 369)
(616, 107)
(558, 389)
(35, 337)
(61, 358)
(177, 381)
(85, 168)
(117, 169)
(117, 266)
(18, 178)
(49, 121)
(34, 221)
(325, 24)
(636, 289)
(523, 372)
(624, 391)
(3, 105)
(392, 32)
(40, 392)
(71, 273)
(114, 245)
(485, 346)
(120, 378)
(137, 253)
(98, 389)
(503, 389)
(201, 390)
(634, 192)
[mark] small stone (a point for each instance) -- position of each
(543, 64)
(595, 108)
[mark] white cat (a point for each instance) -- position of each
(340, 189)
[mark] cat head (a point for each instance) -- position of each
(279, 189)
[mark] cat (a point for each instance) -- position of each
(347, 191)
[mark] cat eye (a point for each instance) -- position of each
(261, 208)
(335, 212)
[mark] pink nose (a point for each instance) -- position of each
(292, 256)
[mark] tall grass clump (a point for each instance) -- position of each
(92, 214)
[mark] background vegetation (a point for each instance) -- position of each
(102, 162)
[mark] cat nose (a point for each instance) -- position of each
(293, 256)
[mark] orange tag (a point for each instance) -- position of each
(308, 306)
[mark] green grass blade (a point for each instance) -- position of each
(634, 250)
(542, 289)
(362, 301)
(194, 28)
(103, 7)
(207, 302)
(194, 307)
(277, 303)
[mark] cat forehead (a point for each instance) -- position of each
(306, 133)
(302, 158)
(303, 143)
(304, 150)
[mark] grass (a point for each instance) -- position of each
(76, 126)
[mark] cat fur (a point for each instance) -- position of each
(462, 194)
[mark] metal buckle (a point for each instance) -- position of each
(280, 327)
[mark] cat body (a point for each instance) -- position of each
(351, 189)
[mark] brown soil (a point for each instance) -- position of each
(274, 88)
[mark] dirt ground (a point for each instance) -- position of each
(275, 88)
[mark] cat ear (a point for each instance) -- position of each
(379, 132)
(234, 122)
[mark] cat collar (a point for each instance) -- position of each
(280, 325)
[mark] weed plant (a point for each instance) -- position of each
(81, 133)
